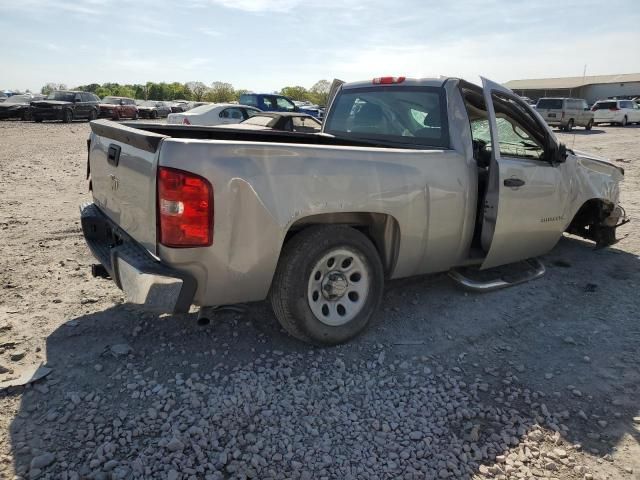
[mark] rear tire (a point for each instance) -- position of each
(67, 116)
(328, 284)
(589, 125)
(569, 126)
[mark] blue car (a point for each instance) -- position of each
(272, 102)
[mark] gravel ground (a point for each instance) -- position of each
(538, 381)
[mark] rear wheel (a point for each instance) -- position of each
(589, 125)
(569, 126)
(328, 284)
(67, 116)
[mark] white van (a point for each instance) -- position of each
(565, 113)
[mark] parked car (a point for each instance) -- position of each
(66, 106)
(213, 114)
(565, 113)
(153, 109)
(616, 112)
(116, 108)
(3, 97)
(178, 107)
(270, 102)
(409, 176)
(18, 106)
(288, 122)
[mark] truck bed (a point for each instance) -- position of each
(275, 136)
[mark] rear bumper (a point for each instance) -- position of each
(143, 279)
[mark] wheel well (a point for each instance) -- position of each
(589, 217)
(382, 229)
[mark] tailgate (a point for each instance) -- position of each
(122, 164)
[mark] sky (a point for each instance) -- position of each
(264, 45)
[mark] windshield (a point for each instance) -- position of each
(261, 120)
(18, 99)
(393, 115)
(111, 100)
(604, 105)
(61, 96)
(549, 103)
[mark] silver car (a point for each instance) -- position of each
(565, 113)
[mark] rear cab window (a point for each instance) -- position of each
(409, 116)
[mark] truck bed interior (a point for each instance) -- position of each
(221, 133)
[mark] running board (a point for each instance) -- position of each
(533, 269)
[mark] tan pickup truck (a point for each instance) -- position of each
(409, 176)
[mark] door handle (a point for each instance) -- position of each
(513, 182)
(113, 155)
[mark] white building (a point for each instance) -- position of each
(591, 88)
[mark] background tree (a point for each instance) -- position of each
(320, 92)
(50, 87)
(295, 93)
(198, 90)
(221, 92)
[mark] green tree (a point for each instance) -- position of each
(295, 93)
(50, 87)
(221, 92)
(320, 92)
(198, 90)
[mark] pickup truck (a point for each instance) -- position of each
(407, 177)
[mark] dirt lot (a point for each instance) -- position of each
(537, 381)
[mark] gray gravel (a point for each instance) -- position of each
(271, 418)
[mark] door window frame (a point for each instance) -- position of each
(546, 138)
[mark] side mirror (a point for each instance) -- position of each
(560, 154)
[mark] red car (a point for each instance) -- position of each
(116, 108)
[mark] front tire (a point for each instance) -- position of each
(328, 284)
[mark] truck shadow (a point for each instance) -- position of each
(569, 341)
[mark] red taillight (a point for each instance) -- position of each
(185, 209)
(614, 109)
(185, 121)
(388, 80)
